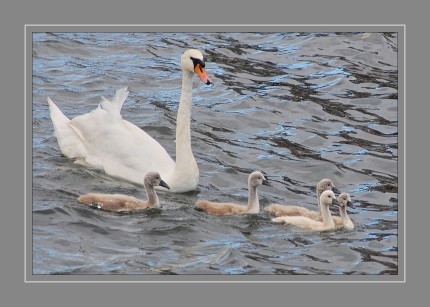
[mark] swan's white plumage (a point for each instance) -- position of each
(102, 139)
(68, 140)
(86, 140)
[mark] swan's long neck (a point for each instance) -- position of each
(253, 203)
(346, 221)
(153, 201)
(186, 169)
(326, 217)
(183, 121)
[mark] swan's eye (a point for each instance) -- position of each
(198, 61)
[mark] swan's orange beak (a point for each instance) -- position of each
(201, 72)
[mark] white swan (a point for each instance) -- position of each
(125, 203)
(255, 179)
(327, 198)
(279, 210)
(344, 200)
(102, 139)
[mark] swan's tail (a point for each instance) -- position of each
(69, 142)
(114, 107)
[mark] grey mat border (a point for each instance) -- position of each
(400, 278)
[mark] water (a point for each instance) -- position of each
(298, 106)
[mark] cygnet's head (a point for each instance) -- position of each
(193, 61)
(256, 179)
(326, 184)
(153, 179)
(345, 200)
(328, 198)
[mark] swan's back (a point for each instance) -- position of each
(68, 140)
(84, 138)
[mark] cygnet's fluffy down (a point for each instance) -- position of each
(255, 179)
(327, 198)
(125, 203)
(280, 210)
(345, 222)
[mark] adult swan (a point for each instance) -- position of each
(102, 139)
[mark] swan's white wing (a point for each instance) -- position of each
(119, 147)
(114, 107)
(103, 139)
(69, 142)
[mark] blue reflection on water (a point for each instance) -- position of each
(365, 187)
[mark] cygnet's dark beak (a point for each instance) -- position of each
(336, 202)
(163, 184)
(349, 204)
(336, 190)
(266, 182)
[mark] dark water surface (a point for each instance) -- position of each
(298, 106)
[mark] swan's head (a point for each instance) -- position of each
(328, 198)
(345, 200)
(193, 61)
(326, 184)
(153, 179)
(256, 179)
